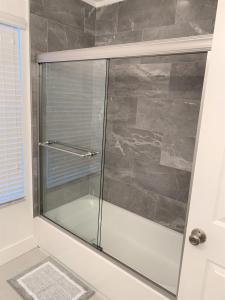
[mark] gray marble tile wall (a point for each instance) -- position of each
(152, 118)
(55, 25)
(145, 20)
(68, 24)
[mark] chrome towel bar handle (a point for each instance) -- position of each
(53, 145)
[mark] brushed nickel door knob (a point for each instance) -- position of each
(197, 237)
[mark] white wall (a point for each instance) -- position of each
(16, 221)
(14, 7)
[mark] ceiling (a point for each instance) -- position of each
(99, 3)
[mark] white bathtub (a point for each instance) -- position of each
(149, 248)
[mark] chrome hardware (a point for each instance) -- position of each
(53, 145)
(197, 237)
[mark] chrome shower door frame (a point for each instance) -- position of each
(76, 151)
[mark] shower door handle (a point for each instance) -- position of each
(53, 145)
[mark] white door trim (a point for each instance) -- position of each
(203, 267)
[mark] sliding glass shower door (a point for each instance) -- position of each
(119, 175)
(152, 118)
(71, 137)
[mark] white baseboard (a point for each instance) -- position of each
(105, 276)
(17, 249)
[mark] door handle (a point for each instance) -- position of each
(197, 237)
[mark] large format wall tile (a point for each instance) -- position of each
(57, 36)
(89, 19)
(39, 34)
(192, 18)
(67, 12)
(174, 117)
(177, 152)
(152, 114)
(139, 14)
(37, 7)
(178, 30)
(124, 109)
(106, 20)
(132, 143)
(194, 11)
(152, 118)
(170, 213)
(139, 79)
(63, 37)
(119, 38)
(145, 20)
(160, 179)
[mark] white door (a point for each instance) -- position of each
(203, 268)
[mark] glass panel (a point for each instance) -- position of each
(72, 115)
(152, 118)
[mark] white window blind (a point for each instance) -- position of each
(11, 116)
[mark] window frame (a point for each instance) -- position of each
(20, 24)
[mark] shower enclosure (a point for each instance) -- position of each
(118, 128)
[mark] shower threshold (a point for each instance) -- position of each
(151, 249)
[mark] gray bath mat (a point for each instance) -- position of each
(50, 281)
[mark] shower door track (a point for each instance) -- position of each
(191, 44)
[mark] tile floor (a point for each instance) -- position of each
(17, 266)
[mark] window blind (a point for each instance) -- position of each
(11, 116)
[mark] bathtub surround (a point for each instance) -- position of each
(152, 117)
(61, 25)
(146, 20)
(69, 24)
(153, 107)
